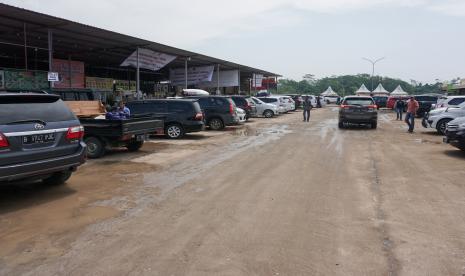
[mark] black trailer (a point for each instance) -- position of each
(100, 134)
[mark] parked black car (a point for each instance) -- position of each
(381, 101)
(455, 133)
(242, 102)
(82, 95)
(425, 102)
(358, 110)
(180, 116)
(219, 111)
(40, 138)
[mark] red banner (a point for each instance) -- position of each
(70, 72)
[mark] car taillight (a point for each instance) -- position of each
(75, 133)
(3, 141)
(374, 106)
(231, 109)
(344, 106)
(198, 116)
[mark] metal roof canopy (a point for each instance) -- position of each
(95, 46)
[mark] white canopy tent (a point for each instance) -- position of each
(329, 92)
(380, 91)
(363, 91)
(399, 91)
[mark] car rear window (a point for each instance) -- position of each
(147, 107)
(269, 100)
(47, 109)
(176, 106)
(358, 101)
(239, 101)
(426, 98)
(456, 101)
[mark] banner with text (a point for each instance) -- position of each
(257, 80)
(70, 72)
(195, 75)
(227, 79)
(148, 59)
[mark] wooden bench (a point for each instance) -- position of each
(86, 108)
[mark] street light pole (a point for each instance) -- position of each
(373, 62)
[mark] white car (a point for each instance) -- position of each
(274, 100)
(447, 101)
(289, 103)
(241, 115)
(312, 99)
(330, 99)
(438, 118)
(265, 109)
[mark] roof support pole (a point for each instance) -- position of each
(137, 74)
(70, 72)
(238, 82)
(276, 80)
(218, 80)
(25, 45)
(50, 54)
(185, 72)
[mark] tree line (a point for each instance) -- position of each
(348, 84)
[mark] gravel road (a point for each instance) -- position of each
(273, 197)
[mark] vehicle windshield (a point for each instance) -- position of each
(358, 101)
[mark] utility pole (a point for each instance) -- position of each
(373, 63)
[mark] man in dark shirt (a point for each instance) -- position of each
(307, 106)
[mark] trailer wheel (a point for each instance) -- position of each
(95, 147)
(134, 145)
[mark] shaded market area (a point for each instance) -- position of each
(109, 63)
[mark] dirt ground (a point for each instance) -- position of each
(274, 197)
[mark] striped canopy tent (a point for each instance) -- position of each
(363, 91)
(399, 91)
(329, 92)
(380, 91)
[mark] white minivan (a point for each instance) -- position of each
(277, 101)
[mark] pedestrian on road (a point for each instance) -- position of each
(399, 107)
(318, 102)
(412, 108)
(307, 106)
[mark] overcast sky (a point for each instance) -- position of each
(421, 39)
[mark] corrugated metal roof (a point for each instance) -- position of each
(91, 44)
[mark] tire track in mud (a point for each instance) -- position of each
(381, 225)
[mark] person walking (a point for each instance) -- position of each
(399, 107)
(412, 108)
(307, 106)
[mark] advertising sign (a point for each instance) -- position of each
(257, 80)
(227, 79)
(99, 83)
(148, 59)
(71, 73)
(25, 80)
(52, 76)
(195, 75)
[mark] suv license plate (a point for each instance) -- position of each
(39, 138)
